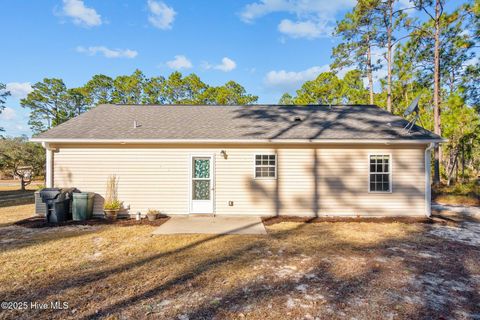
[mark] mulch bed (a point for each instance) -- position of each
(273, 220)
(41, 222)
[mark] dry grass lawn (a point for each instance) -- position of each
(9, 215)
(13, 186)
(300, 271)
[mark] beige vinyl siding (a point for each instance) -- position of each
(319, 180)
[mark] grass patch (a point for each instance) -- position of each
(10, 215)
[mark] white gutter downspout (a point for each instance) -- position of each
(428, 183)
(49, 165)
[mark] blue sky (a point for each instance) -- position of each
(269, 46)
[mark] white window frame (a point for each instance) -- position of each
(390, 171)
(255, 165)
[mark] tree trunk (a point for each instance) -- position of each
(370, 71)
(456, 170)
(436, 93)
(389, 56)
(22, 183)
(453, 164)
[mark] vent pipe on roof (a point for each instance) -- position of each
(135, 125)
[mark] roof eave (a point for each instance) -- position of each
(238, 141)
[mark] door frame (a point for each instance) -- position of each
(212, 179)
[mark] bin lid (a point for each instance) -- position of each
(49, 193)
(80, 194)
(70, 190)
(83, 194)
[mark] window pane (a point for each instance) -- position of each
(201, 190)
(372, 177)
(272, 162)
(372, 186)
(201, 168)
(386, 186)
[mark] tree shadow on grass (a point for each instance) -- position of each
(338, 293)
(338, 290)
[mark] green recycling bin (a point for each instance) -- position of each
(82, 207)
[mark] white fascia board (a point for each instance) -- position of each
(239, 141)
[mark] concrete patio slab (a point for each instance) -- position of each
(212, 225)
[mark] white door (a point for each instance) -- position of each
(202, 184)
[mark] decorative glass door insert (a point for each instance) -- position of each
(201, 195)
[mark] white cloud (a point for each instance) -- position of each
(81, 14)
(19, 90)
(473, 61)
(7, 114)
(291, 80)
(405, 4)
(304, 29)
(226, 65)
(108, 53)
(298, 7)
(180, 62)
(161, 16)
(314, 18)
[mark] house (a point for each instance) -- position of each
(351, 160)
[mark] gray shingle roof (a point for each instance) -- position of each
(236, 122)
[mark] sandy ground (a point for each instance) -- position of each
(339, 270)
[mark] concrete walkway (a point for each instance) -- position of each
(212, 225)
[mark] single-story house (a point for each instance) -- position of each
(349, 160)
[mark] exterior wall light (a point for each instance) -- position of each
(224, 154)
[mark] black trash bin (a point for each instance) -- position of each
(57, 203)
(82, 206)
(69, 195)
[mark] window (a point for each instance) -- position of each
(265, 166)
(380, 173)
